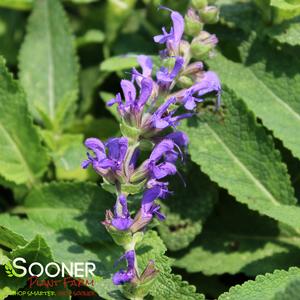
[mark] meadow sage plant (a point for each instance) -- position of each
(151, 106)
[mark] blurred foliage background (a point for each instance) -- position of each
(217, 241)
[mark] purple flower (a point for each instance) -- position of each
(209, 83)
(149, 208)
(146, 64)
(162, 118)
(179, 138)
(172, 39)
(164, 78)
(124, 276)
(108, 157)
(133, 105)
(161, 161)
(121, 219)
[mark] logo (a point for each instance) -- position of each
(75, 275)
(52, 269)
(10, 270)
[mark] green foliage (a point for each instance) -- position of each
(61, 206)
(235, 215)
(229, 245)
(267, 89)
(255, 174)
(50, 80)
(263, 287)
(184, 222)
(23, 159)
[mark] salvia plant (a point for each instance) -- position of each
(151, 106)
(149, 149)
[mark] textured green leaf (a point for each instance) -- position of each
(229, 245)
(35, 250)
(287, 32)
(270, 86)
(118, 63)
(76, 208)
(48, 64)
(167, 285)
(264, 287)
(238, 154)
(237, 14)
(23, 159)
(184, 222)
(292, 291)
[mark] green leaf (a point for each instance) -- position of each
(67, 151)
(23, 159)
(292, 291)
(36, 250)
(76, 208)
(229, 245)
(270, 86)
(92, 36)
(102, 128)
(287, 32)
(237, 153)
(184, 222)
(167, 285)
(48, 64)
(10, 239)
(119, 63)
(264, 287)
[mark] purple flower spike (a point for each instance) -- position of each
(165, 78)
(173, 38)
(123, 276)
(209, 83)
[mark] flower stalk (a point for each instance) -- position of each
(151, 107)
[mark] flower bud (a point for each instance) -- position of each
(202, 45)
(199, 4)
(184, 49)
(193, 25)
(209, 15)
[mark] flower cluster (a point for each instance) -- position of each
(151, 106)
